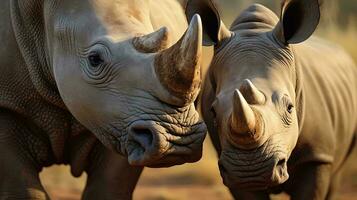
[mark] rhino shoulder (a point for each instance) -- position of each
(329, 51)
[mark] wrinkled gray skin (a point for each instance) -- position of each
(282, 116)
(73, 68)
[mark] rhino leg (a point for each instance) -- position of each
(334, 186)
(336, 178)
(19, 172)
(311, 182)
(110, 176)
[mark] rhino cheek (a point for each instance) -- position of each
(81, 99)
(66, 78)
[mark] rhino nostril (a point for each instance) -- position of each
(280, 174)
(281, 163)
(143, 136)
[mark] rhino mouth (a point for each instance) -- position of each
(254, 170)
(156, 144)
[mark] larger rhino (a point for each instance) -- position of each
(70, 68)
(275, 108)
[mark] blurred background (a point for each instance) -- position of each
(201, 180)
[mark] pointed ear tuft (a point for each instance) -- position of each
(298, 21)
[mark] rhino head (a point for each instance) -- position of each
(125, 83)
(252, 95)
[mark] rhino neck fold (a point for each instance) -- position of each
(27, 19)
(300, 95)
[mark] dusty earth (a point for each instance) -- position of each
(191, 181)
(185, 192)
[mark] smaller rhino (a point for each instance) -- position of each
(282, 116)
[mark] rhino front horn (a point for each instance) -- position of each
(243, 123)
(179, 67)
(152, 42)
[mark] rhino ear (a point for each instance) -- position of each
(298, 20)
(214, 31)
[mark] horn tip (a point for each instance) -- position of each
(196, 18)
(238, 99)
(153, 42)
(164, 31)
(196, 23)
(238, 95)
(193, 37)
(246, 84)
(240, 104)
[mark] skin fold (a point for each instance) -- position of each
(279, 104)
(106, 87)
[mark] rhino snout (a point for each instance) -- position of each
(280, 172)
(144, 142)
(255, 179)
(253, 170)
(150, 144)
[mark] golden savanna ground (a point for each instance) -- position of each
(201, 180)
(188, 182)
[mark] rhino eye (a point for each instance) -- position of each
(95, 59)
(290, 108)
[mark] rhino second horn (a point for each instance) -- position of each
(251, 93)
(243, 121)
(152, 42)
(179, 67)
